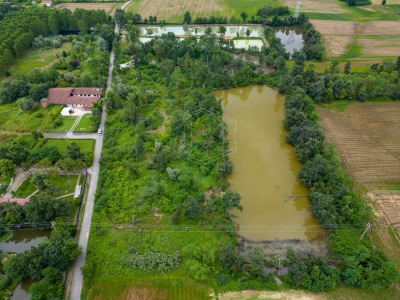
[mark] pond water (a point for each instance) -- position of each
(21, 291)
(291, 37)
(244, 44)
(231, 30)
(275, 202)
(23, 239)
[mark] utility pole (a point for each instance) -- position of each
(53, 225)
(366, 229)
(297, 9)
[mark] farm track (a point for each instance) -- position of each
(367, 138)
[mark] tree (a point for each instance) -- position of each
(224, 168)
(248, 32)
(7, 167)
(370, 269)
(208, 31)
(50, 287)
(61, 250)
(39, 91)
(83, 26)
(74, 152)
(383, 2)
(50, 152)
(102, 44)
(257, 262)
(54, 25)
(69, 165)
(39, 180)
(347, 68)
(222, 30)
(244, 16)
(120, 17)
(231, 200)
(27, 104)
(44, 164)
(230, 260)
(187, 18)
(43, 208)
(36, 134)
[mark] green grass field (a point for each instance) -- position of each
(66, 125)
(84, 124)
(61, 144)
(172, 11)
(14, 119)
(59, 181)
(36, 59)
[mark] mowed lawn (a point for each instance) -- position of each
(61, 144)
(14, 119)
(60, 182)
(173, 10)
(67, 122)
(85, 124)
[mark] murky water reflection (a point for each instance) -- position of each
(275, 202)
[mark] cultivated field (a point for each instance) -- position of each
(108, 7)
(173, 10)
(362, 40)
(367, 138)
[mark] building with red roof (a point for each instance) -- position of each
(73, 97)
(20, 201)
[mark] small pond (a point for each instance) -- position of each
(23, 239)
(291, 37)
(244, 44)
(275, 202)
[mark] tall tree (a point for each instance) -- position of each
(187, 18)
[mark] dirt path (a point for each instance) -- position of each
(20, 176)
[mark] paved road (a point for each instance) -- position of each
(77, 280)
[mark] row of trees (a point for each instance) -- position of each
(333, 202)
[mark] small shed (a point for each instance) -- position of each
(47, 3)
(78, 190)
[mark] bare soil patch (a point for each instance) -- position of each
(336, 44)
(380, 47)
(359, 28)
(367, 138)
(285, 295)
(326, 6)
(388, 205)
(108, 7)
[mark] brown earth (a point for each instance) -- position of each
(326, 6)
(336, 44)
(286, 295)
(380, 47)
(359, 28)
(387, 203)
(367, 138)
(108, 7)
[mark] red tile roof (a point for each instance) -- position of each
(20, 201)
(66, 96)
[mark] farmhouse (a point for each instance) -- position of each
(47, 3)
(73, 97)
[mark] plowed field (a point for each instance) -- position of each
(367, 138)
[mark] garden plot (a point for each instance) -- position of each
(367, 138)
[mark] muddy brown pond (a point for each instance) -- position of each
(275, 202)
